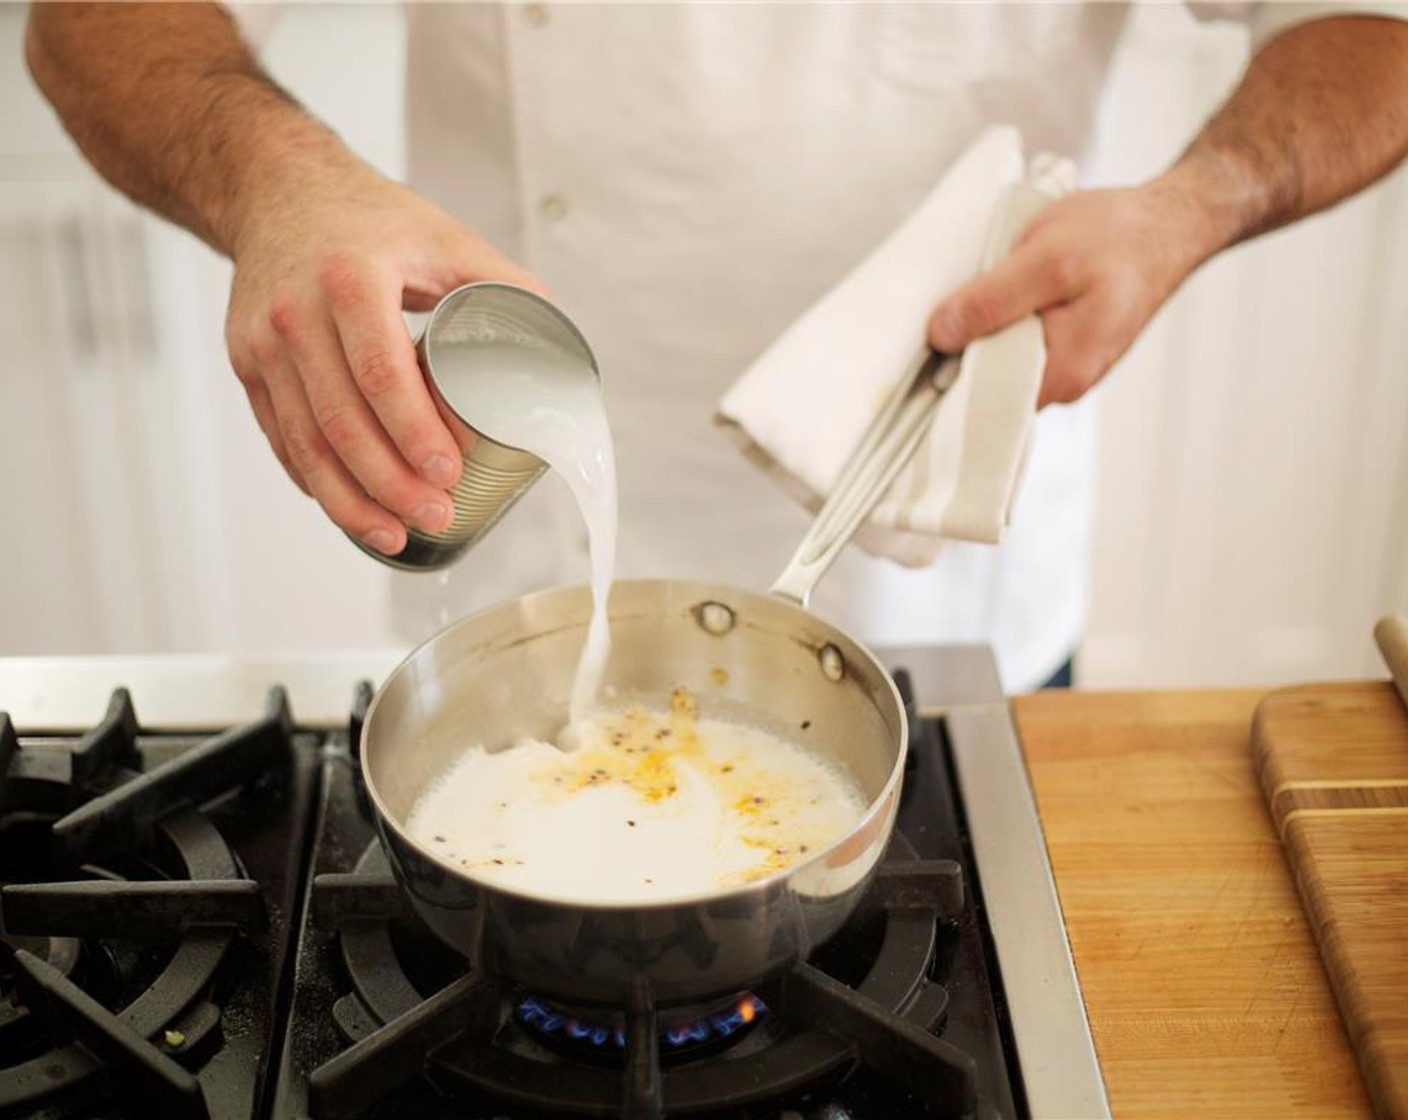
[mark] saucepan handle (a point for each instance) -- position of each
(896, 433)
(1392, 635)
(884, 449)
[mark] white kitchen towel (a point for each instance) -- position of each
(802, 406)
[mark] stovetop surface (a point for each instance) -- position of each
(929, 827)
(267, 994)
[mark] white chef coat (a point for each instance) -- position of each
(688, 179)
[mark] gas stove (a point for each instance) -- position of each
(197, 922)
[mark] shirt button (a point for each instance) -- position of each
(537, 15)
(552, 207)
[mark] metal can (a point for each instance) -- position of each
(473, 323)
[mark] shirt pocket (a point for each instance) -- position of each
(941, 48)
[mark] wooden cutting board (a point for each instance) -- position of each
(1332, 760)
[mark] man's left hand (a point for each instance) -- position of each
(1096, 266)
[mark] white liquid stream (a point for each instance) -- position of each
(443, 582)
(547, 403)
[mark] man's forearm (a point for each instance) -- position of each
(169, 106)
(1321, 112)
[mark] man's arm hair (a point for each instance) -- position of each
(170, 107)
(1321, 112)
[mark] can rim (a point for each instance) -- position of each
(455, 296)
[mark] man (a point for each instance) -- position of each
(687, 179)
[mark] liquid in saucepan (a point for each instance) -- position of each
(652, 805)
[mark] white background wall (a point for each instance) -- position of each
(1254, 488)
(1253, 507)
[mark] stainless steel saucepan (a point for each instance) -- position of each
(506, 673)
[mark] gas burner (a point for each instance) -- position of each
(20, 1035)
(683, 1032)
(24, 852)
(866, 995)
(121, 906)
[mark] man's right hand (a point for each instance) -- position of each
(316, 337)
(171, 108)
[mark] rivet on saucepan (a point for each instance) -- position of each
(715, 617)
(832, 663)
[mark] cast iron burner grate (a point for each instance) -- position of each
(866, 996)
(120, 905)
(818, 1024)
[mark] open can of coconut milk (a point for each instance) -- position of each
(475, 333)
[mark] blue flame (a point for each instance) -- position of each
(549, 1020)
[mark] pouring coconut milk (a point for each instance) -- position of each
(518, 386)
(629, 805)
(541, 398)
